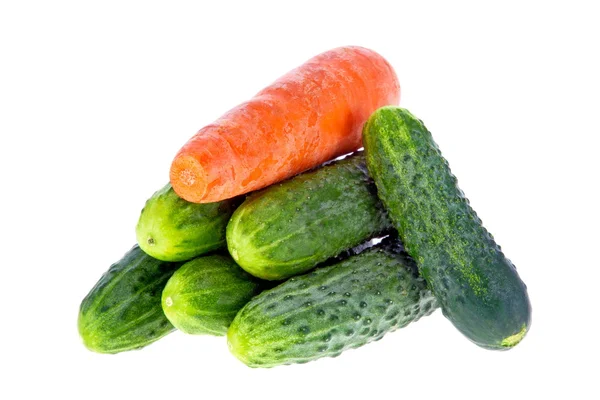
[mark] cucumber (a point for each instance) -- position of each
(172, 229)
(205, 294)
(123, 311)
(289, 228)
(332, 309)
(478, 288)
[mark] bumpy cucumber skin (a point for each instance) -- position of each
(205, 294)
(330, 310)
(478, 288)
(289, 228)
(123, 311)
(172, 229)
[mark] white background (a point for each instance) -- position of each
(97, 97)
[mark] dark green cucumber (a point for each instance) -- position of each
(478, 287)
(332, 309)
(123, 311)
(172, 229)
(205, 294)
(288, 228)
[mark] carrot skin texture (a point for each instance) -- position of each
(312, 114)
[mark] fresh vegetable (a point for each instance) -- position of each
(309, 116)
(172, 229)
(123, 312)
(478, 287)
(205, 294)
(289, 228)
(332, 309)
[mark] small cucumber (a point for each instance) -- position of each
(478, 287)
(332, 309)
(289, 228)
(205, 294)
(123, 311)
(172, 229)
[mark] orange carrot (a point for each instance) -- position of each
(310, 115)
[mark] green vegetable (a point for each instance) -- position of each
(172, 229)
(478, 287)
(123, 312)
(205, 294)
(288, 228)
(332, 309)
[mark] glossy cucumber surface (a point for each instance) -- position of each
(172, 229)
(206, 293)
(290, 227)
(123, 311)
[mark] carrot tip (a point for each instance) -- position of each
(188, 178)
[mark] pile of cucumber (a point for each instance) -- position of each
(298, 271)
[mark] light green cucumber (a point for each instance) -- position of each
(205, 294)
(173, 229)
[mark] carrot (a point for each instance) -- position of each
(310, 115)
